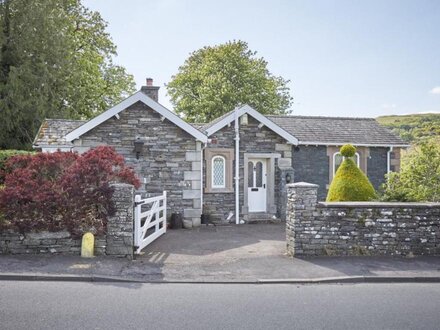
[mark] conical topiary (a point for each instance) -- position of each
(350, 183)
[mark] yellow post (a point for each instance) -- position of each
(87, 246)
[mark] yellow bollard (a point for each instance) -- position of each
(87, 245)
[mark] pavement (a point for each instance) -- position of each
(253, 253)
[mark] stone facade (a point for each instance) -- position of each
(377, 166)
(117, 242)
(170, 159)
(355, 228)
(253, 140)
(311, 164)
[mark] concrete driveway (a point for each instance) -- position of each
(209, 253)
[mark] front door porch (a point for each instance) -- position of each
(259, 186)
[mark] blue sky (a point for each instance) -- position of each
(343, 58)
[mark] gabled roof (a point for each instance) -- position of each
(53, 131)
(229, 117)
(137, 97)
(338, 131)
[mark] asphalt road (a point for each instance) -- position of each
(75, 305)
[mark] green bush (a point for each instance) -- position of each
(350, 183)
(419, 176)
(4, 156)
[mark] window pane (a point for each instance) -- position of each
(218, 172)
(250, 174)
(338, 161)
(259, 174)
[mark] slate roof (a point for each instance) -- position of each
(52, 131)
(337, 130)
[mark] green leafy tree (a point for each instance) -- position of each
(350, 183)
(214, 80)
(419, 176)
(55, 61)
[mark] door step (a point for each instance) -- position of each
(263, 218)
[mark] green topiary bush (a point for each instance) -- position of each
(350, 183)
(348, 150)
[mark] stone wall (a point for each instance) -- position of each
(170, 159)
(359, 228)
(117, 242)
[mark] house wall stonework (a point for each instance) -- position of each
(311, 164)
(340, 229)
(377, 166)
(253, 140)
(170, 159)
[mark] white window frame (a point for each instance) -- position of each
(338, 153)
(224, 172)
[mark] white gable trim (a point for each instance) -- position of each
(246, 109)
(138, 96)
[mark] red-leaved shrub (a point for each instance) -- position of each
(62, 190)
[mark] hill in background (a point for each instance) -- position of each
(413, 128)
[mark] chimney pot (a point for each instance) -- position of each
(149, 81)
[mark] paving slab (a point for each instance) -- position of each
(244, 253)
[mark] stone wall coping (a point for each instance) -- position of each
(120, 184)
(377, 205)
(302, 185)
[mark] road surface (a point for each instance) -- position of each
(76, 305)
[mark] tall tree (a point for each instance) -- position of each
(214, 80)
(56, 61)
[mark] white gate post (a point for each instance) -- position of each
(137, 220)
(165, 210)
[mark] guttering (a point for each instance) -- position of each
(317, 143)
(203, 146)
(389, 159)
(237, 168)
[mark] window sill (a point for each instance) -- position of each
(218, 190)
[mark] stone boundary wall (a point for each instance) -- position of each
(359, 228)
(118, 241)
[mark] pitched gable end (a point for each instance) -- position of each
(246, 109)
(137, 97)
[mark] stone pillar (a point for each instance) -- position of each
(282, 190)
(120, 226)
(301, 203)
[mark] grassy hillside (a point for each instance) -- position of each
(413, 128)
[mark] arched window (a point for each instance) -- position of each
(338, 158)
(218, 172)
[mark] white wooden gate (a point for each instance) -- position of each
(150, 220)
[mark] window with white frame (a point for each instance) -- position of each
(338, 158)
(218, 172)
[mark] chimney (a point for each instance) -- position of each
(150, 90)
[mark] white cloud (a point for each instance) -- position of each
(389, 106)
(435, 90)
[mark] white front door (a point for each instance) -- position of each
(257, 184)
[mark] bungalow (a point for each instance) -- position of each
(233, 168)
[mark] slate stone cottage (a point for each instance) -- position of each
(197, 164)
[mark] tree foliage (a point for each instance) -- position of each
(419, 176)
(56, 60)
(350, 183)
(62, 190)
(214, 80)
